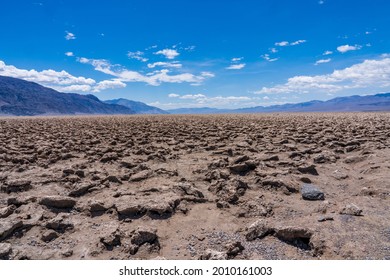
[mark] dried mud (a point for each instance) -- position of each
(278, 186)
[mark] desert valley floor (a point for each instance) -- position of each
(277, 186)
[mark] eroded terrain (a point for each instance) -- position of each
(279, 186)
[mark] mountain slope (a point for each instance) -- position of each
(136, 106)
(22, 98)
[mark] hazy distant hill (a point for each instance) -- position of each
(136, 106)
(355, 103)
(21, 98)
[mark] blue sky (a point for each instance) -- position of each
(224, 54)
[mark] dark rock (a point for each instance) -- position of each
(310, 192)
(7, 228)
(143, 235)
(16, 186)
(58, 201)
(49, 235)
(239, 168)
(240, 159)
(6, 211)
(305, 180)
(311, 169)
(292, 233)
(233, 249)
(59, 223)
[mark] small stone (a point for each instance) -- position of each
(81, 189)
(310, 192)
(233, 249)
(351, 209)
(109, 157)
(5, 250)
(311, 169)
(323, 219)
(6, 211)
(213, 255)
(145, 174)
(7, 228)
(58, 201)
(258, 229)
(16, 186)
(291, 233)
(49, 235)
(143, 235)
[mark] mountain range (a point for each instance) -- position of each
(136, 106)
(22, 98)
(355, 103)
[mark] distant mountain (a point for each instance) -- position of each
(136, 106)
(355, 103)
(203, 110)
(21, 98)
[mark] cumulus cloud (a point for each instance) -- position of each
(236, 66)
(347, 48)
(175, 64)
(59, 80)
(273, 50)
(321, 61)
(154, 79)
(109, 84)
(173, 95)
(69, 36)
(236, 59)
(327, 53)
(168, 53)
(69, 54)
(138, 55)
(368, 74)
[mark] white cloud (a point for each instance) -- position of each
(193, 96)
(165, 64)
(286, 43)
(327, 53)
(282, 44)
(59, 80)
(369, 74)
(69, 36)
(138, 55)
(347, 48)
(173, 95)
(168, 53)
(321, 61)
(236, 66)
(266, 97)
(236, 59)
(154, 79)
(273, 50)
(298, 42)
(267, 57)
(190, 48)
(69, 54)
(108, 84)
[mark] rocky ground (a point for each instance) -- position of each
(298, 186)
